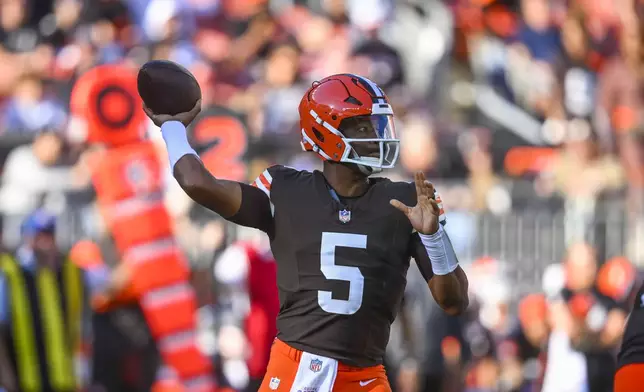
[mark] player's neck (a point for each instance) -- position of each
(344, 180)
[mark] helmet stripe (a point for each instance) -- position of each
(373, 89)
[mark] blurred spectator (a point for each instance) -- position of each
(282, 92)
(418, 147)
(620, 100)
(39, 346)
(588, 325)
(526, 349)
(29, 111)
(33, 171)
(575, 76)
(249, 302)
(124, 356)
(537, 32)
(483, 182)
(581, 173)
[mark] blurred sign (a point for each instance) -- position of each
(107, 100)
(528, 160)
(220, 138)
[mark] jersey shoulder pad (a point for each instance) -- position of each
(401, 190)
(406, 192)
(272, 175)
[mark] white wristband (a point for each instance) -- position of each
(440, 251)
(176, 141)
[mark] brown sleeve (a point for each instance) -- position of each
(255, 210)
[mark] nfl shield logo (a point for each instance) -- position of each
(345, 216)
(316, 365)
(275, 382)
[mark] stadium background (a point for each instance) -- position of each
(527, 115)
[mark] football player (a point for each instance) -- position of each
(342, 239)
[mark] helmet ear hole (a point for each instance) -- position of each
(318, 134)
(353, 100)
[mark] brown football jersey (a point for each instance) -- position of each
(342, 262)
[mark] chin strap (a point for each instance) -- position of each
(368, 170)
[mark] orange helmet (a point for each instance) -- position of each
(533, 308)
(347, 118)
(616, 278)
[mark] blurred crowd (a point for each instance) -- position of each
(528, 115)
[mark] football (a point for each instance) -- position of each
(167, 87)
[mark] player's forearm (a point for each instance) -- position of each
(450, 291)
(220, 196)
(449, 283)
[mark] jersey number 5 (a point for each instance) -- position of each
(332, 271)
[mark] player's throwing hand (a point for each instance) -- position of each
(425, 214)
(185, 118)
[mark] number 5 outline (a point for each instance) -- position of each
(332, 271)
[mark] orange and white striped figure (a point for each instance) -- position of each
(128, 179)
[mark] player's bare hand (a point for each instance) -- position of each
(185, 118)
(425, 214)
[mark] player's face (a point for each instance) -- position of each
(362, 128)
(372, 141)
(44, 246)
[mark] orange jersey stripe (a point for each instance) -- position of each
(264, 181)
